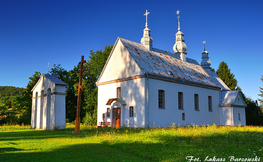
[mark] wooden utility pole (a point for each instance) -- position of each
(80, 88)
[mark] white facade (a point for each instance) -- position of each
(134, 97)
(171, 114)
(48, 103)
(232, 108)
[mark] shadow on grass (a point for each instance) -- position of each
(161, 147)
(64, 133)
(8, 149)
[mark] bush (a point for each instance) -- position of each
(90, 118)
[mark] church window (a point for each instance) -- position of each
(103, 116)
(108, 112)
(118, 92)
(210, 103)
(180, 101)
(131, 111)
(196, 100)
(183, 116)
(239, 117)
(161, 98)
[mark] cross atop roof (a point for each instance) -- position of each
(146, 15)
(204, 44)
(177, 12)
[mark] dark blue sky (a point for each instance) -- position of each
(34, 33)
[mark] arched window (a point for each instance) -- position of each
(118, 92)
(131, 111)
(108, 112)
(103, 116)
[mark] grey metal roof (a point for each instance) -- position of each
(229, 97)
(54, 79)
(217, 80)
(164, 63)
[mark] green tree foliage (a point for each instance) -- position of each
(18, 110)
(254, 114)
(212, 69)
(261, 92)
(7, 115)
(24, 103)
(225, 74)
(94, 66)
(71, 78)
(90, 118)
(10, 93)
(21, 111)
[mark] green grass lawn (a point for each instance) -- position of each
(20, 143)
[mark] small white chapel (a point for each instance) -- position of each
(48, 103)
(143, 86)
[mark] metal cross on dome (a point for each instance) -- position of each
(146, 14)
(204, 44)
(178, 12)
(48, 67)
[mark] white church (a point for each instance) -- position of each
(143, 86)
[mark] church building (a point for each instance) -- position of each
(143, 86)
(48, 103)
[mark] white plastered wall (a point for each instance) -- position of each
(171, 114)
(57, 118)
(60, 107)
(242, 112)
(229, 116)
(133, 93)
(226, 116)
(119, 65)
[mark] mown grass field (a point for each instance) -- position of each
(20, 143)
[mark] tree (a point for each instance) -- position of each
(24, 102)
(261, 92)
(225, 74)
(254, 115)
(89, 95)
(7, 115)
(95, 66)
(71, 78)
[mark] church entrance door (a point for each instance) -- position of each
(116, 118)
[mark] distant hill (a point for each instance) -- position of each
(10, 92)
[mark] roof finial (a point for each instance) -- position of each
(147, 39)
(205, 62)
(179, 46)
(146, 14)
(177, 12)
(204, 44)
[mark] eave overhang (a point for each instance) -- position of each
(120, 100)
(163, 78)
(232, 105)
